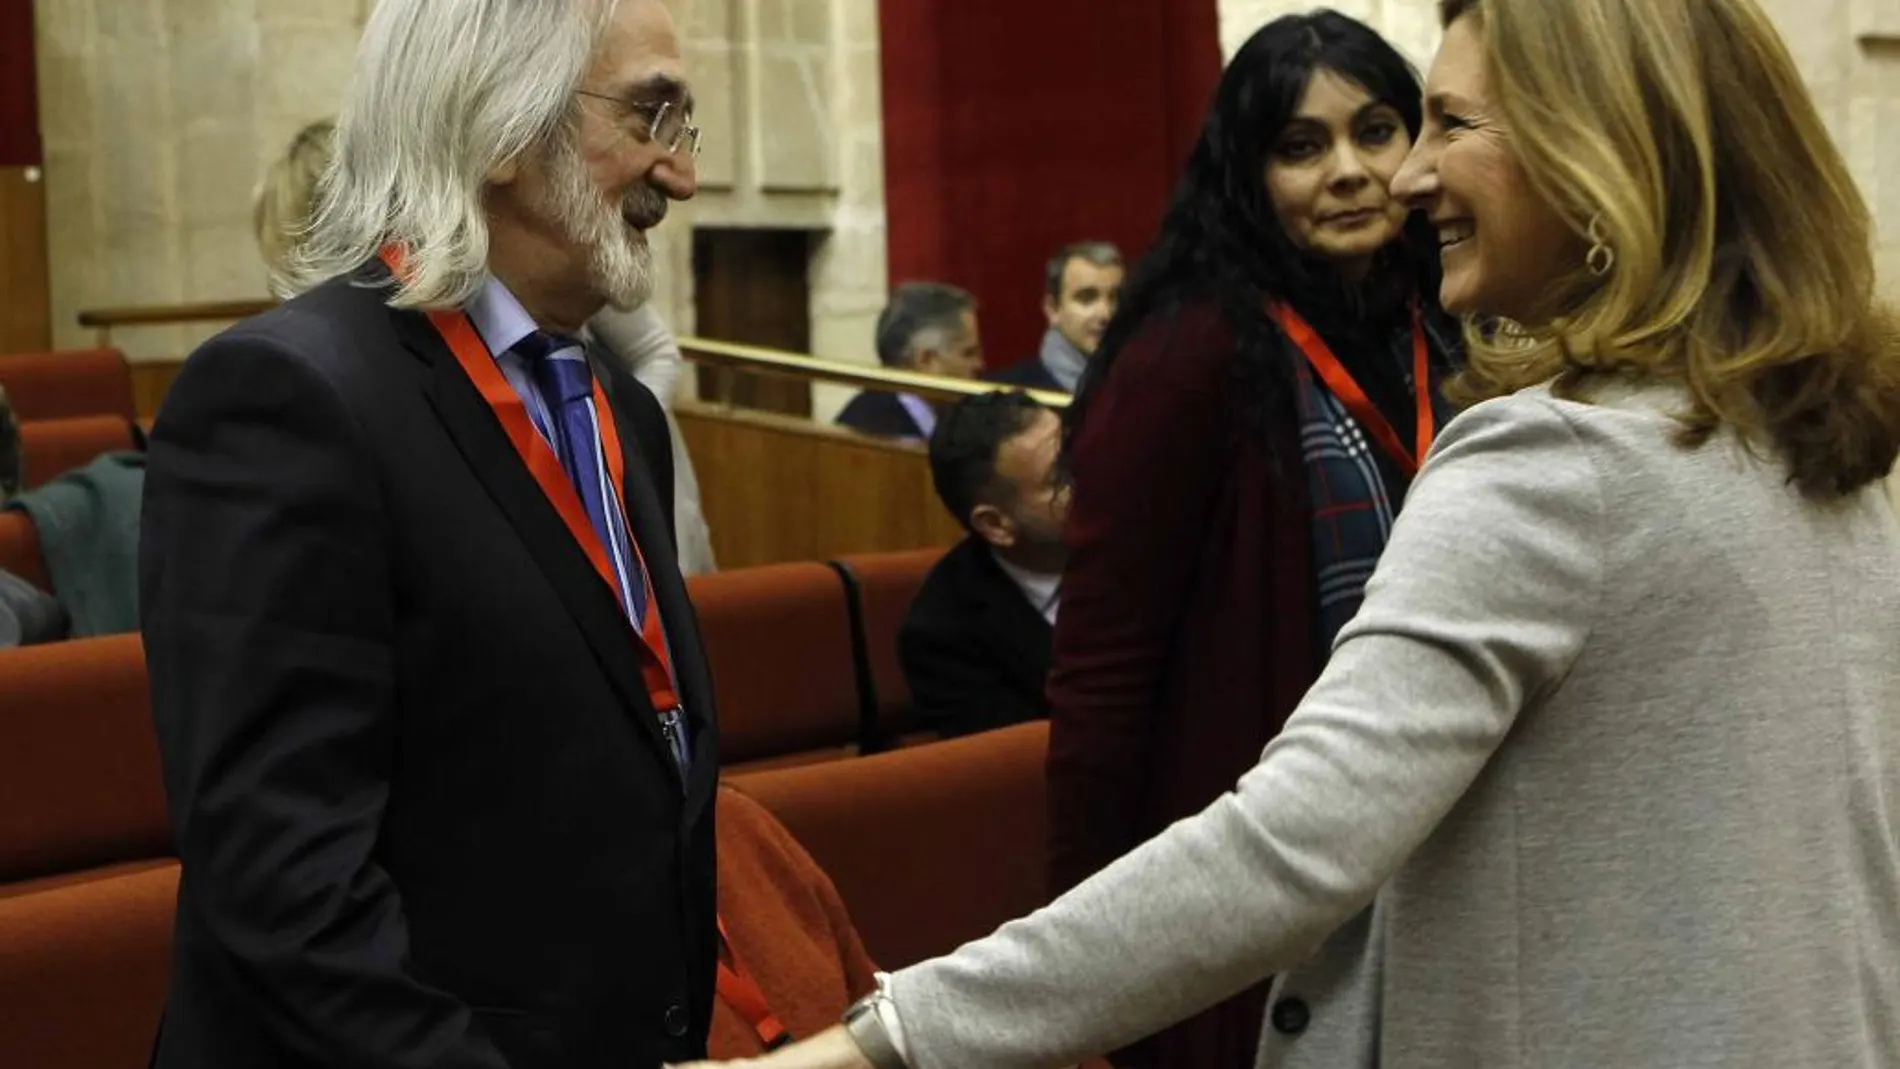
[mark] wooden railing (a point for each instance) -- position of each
(729, 357)
(780, 488)
(726, 358)
(104, 320)
(772, 487)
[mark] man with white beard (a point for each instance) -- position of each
(435, 718)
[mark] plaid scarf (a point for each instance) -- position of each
(1353, 488)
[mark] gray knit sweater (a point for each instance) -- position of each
(1614, 745)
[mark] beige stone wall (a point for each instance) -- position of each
(794, 122)
(159, 116)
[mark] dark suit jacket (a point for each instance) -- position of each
(426, 815)
(875, 412)
(974, 650)
(1030, 374)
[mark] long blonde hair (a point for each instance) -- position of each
(281, 214)
(1678, 134)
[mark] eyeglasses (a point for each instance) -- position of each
(667, 122)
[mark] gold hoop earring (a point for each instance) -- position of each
(1601, 259)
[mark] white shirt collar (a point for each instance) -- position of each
(921, 413)
(1064, 362)
(498, 317)
(1043, 589)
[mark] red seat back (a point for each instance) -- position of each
(84, 964)
(930, 846)
(779, 642)
(73, 382)
(20, 549)
(79, 774)
(56, 446)
(884, 585)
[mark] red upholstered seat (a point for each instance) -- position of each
(79, 773)
(930, 846)
(884, 585)
(779, 642)
(20, 549)
(67, 383)
(84, 959)
(56, 446)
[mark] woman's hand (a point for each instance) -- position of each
(830, 1049)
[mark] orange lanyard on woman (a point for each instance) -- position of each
(460, 335)
(737, 988)
(1346, 388)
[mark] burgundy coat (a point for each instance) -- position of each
(1186, 635)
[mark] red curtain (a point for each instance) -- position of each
(19, 96)
(1013, 128)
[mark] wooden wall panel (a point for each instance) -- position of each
(775, 488)
(25, 298)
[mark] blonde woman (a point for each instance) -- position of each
(639, 338)
(280, 212)
(1606, 771)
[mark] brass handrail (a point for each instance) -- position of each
(726, 357)
(729, 356)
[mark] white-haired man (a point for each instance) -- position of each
(435, 719)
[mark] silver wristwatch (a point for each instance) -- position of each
(864, 1021)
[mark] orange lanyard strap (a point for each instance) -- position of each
(1346, 388)
(738, 990)
(460, 335)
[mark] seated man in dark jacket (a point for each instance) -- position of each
(975, 645)
(929, 328)
(1082, 286)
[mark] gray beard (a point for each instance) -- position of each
(620, 262)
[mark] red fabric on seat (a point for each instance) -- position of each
(79, 771)
(778, 639)
(886, 585)
(930, 846)
(84, 960)
(67, 383)
(20, 549)
(56, 446)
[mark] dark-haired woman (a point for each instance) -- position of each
(1238, 449)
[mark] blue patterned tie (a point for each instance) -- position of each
(567, 385)
(560, 370)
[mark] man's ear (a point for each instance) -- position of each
(926, 360)
(505, 172)
(1050, 306)
(992, 526)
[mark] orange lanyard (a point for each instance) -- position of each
(737, 988)
(1346, 388)
(656, 662)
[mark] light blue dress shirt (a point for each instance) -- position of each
(502, 323)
